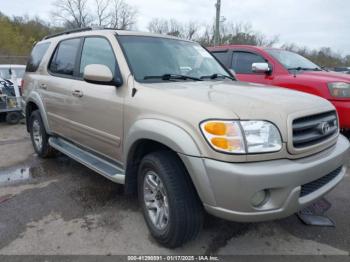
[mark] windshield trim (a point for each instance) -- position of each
(149, 81)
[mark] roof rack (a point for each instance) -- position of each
(69, 32)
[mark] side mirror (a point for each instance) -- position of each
(98, 74)
(261, 68)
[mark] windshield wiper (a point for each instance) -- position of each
(216, 76)
(304, 69)
(173, 76)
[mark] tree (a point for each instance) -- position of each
(174, 28)
(158, 26)
(107, 13)
(102, 12)
(123, 15)
(18, 34)
(72, 13)
(191, 29)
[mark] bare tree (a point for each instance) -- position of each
(103, 14)
(158, 26)
(174, 28)
(73, 13)
(190, 30)
(108, 13)
(123, 15)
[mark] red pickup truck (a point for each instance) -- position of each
(283, 68)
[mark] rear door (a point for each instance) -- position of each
(59, 85)
(242, 62)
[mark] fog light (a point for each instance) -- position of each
(260, 198)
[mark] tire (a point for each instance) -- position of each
(183, 219)
(40, 138)
(13, 118)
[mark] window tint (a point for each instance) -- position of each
(36, 56)
(242, 62)
(63, 61)
(223, 57)
(97, 51)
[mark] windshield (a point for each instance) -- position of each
(150, 58)
(292, 60)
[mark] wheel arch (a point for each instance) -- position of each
(35, 103)
(150, 135)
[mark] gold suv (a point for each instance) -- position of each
(163, 117)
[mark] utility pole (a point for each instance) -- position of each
(217, 23)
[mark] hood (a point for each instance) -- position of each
(245, 100)
(194, 102)
(324, 76)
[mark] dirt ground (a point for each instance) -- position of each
(58, 206)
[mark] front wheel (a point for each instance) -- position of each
(170, 204)
(40, 138)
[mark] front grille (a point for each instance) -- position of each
(311, 130)
(317, 184)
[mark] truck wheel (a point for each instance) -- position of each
(40, 138)
(13, 118)
(170, 204)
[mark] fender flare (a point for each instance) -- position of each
(163, 132)
(36, 99)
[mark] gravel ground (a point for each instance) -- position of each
(58, 206)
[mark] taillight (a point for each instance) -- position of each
(21, 88)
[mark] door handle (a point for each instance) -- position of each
(77, 93)
(43, 86)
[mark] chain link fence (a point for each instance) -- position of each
(21, 60)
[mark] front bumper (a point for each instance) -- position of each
(231, 186)
(343, 109)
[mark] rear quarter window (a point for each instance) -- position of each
(36, 56)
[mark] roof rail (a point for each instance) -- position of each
(68, 32)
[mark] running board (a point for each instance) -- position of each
(101, 166)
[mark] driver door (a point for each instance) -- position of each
(242, 62)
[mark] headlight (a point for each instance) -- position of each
(240, 137)
(261, 136)
(339, 89)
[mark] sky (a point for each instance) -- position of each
(311, 23)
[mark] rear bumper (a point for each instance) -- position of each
(233, 185)
(343, 109)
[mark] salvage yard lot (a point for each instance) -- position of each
(58, 206)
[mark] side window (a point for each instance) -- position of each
(36, 56)
(97, 50)
(223, 57)
(242, 62)
(63, 61)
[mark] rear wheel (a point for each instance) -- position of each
(13, 118)
(170, 204)
(40, 138)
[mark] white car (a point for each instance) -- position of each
(9, 71)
